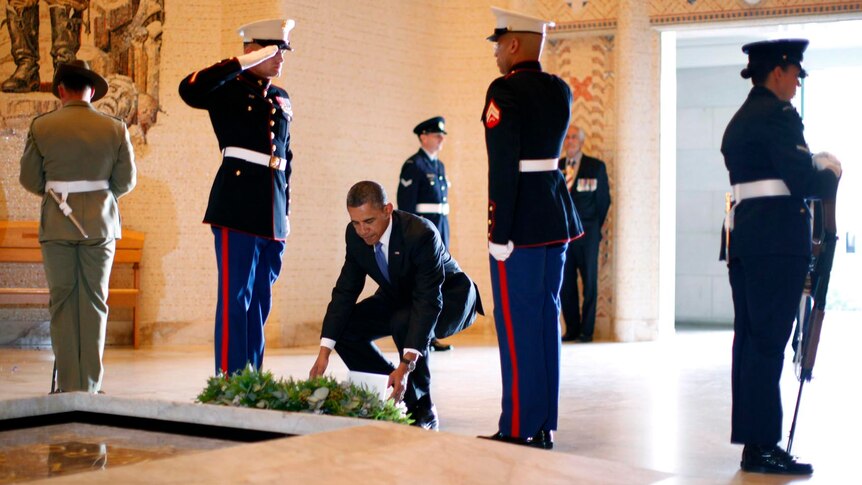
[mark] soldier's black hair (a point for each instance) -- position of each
(76, 83)
(758, 72)
(366, 192)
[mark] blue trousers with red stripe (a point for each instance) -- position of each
(527, 315)
(247, 268)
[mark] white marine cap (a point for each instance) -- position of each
(508, 21)
(268, 32)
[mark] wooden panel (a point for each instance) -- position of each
(20, 255)
(24, 296)
(25, 234)
(121, 297)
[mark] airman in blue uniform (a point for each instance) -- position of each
(423, 188)
(772, 173)
(249, 201)
(531, 219)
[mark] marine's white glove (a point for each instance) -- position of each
(827, 161)
(500, 252)
(254, 58)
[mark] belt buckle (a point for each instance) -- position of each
(274, 162)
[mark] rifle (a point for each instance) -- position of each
(812, 321)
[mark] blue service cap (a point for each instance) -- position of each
(434, 125)
(767, 54)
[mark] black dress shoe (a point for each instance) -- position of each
(584, 339)
(772, 459)
(438, 346)
(543, 439)
(569, 338)
(426, 418)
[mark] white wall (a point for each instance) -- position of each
(706, 100)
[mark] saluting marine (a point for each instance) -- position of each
(531, 219)
(772, 173)
(249, 201)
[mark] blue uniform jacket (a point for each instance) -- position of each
(247, 112)
(423, 181)
(526, 117)
(764, 141)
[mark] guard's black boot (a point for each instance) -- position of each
(772, 459)
(23, 27)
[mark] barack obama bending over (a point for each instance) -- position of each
(422, 294)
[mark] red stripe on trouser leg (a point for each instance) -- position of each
(510, 338)
(225, 302)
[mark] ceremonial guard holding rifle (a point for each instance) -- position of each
(768, 243)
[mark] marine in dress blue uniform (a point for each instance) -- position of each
(772, 173)
(587, 181)
(249, 200)
(423, 188)
(531, 219)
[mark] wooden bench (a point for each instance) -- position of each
(19, 243)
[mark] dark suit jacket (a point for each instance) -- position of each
(592, 199)
(421, 272)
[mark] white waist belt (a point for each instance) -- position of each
(65, 188)
(538, 165)
(760, 188)
(433, 209)
(753, 190)
(76, 186)
(257, 158)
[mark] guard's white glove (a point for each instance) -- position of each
(827, 161)
(500, 252)
(286, 226)
(254, 58)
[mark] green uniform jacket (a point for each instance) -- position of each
(77, 142)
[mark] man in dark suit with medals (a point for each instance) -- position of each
(587, 181)
(531, 219)
(422, 292)
(249, 201)
(423, 188)
(772, 173)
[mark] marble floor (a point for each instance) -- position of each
(662, 406)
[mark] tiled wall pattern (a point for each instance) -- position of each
(601, 15)
(587, 65)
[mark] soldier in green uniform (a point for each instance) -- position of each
(86, 158)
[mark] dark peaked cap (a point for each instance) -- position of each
(767, 54)
(433, 125)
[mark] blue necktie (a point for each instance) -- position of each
(381, 260)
